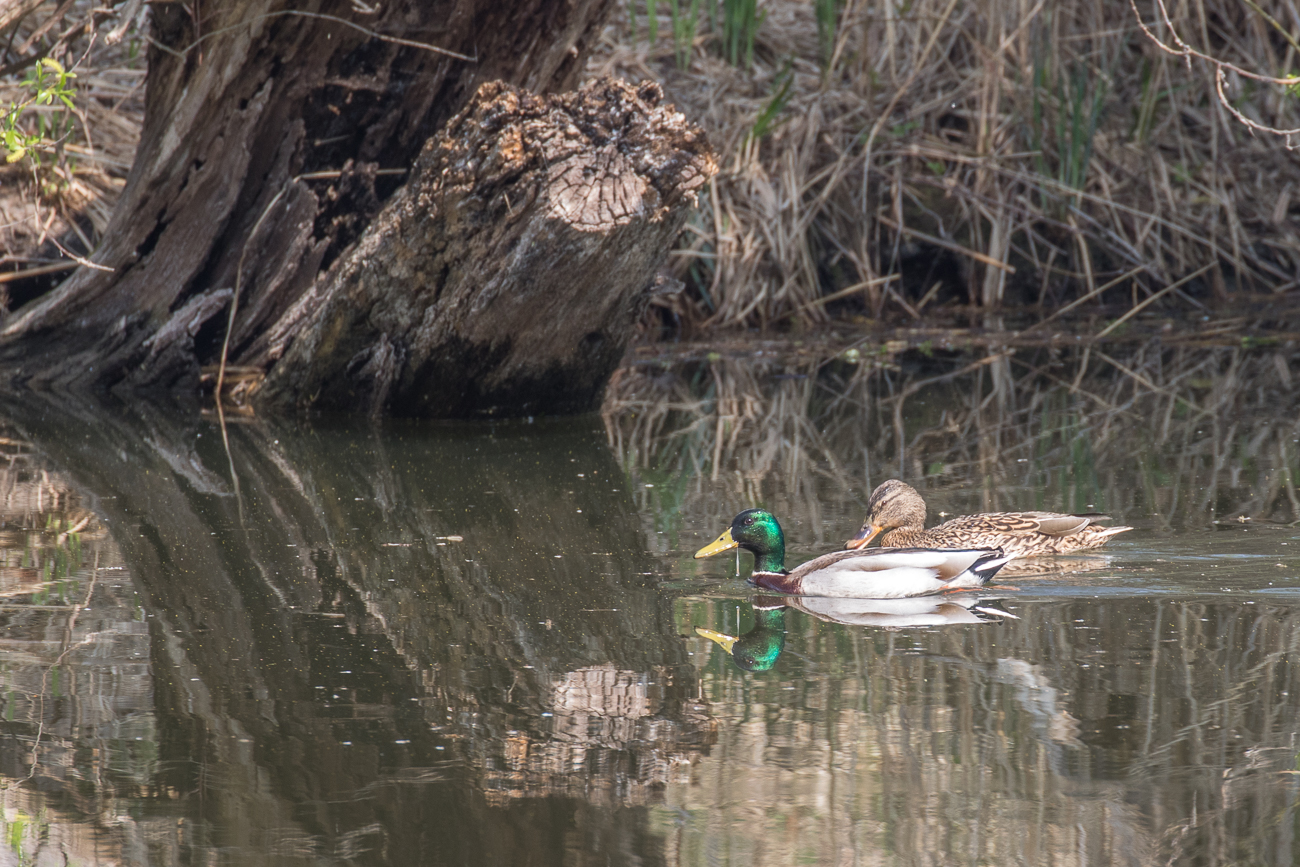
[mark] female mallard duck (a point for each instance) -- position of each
(889, 573)
(897, 510)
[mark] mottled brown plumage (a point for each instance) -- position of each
(896, 513)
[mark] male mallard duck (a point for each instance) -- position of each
(879, 573)
(897, 510)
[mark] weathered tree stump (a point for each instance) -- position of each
(509, 273)
(273, 135)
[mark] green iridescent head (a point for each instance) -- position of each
(760, 647)
(758, 532)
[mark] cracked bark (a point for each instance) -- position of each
(507, 276)
(256, 109)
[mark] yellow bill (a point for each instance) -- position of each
(717, 546)
(864, 537)
(726, 642)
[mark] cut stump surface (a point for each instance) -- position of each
(508, 275)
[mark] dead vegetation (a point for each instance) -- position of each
(876, 159)
(56, 201)
(1168, 436)
(1008, 152)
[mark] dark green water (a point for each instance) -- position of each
(475, 644)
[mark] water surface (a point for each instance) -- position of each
(476, 644)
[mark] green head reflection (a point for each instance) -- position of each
(760, 647)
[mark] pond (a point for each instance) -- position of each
(336, 642)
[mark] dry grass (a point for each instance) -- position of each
(1009, 152)
(68, 198)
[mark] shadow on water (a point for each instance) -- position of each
(490, 645)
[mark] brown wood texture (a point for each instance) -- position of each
(255, 107)
(507, 276)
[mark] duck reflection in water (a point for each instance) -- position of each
(759, 648)
(902, 613)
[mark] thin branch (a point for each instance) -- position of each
(80, 260)
(1170, 288)
(54, 268)
(234, 297)
(1274, 23)
(1221, 67)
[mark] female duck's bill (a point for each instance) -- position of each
(873, 573)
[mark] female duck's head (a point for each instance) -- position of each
(893, 505)
(758, 532)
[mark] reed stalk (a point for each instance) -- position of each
(1056, 141)
(1211, 430)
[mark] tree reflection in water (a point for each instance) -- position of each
(413, 645)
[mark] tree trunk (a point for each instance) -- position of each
(509, 272)
(304, 121)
